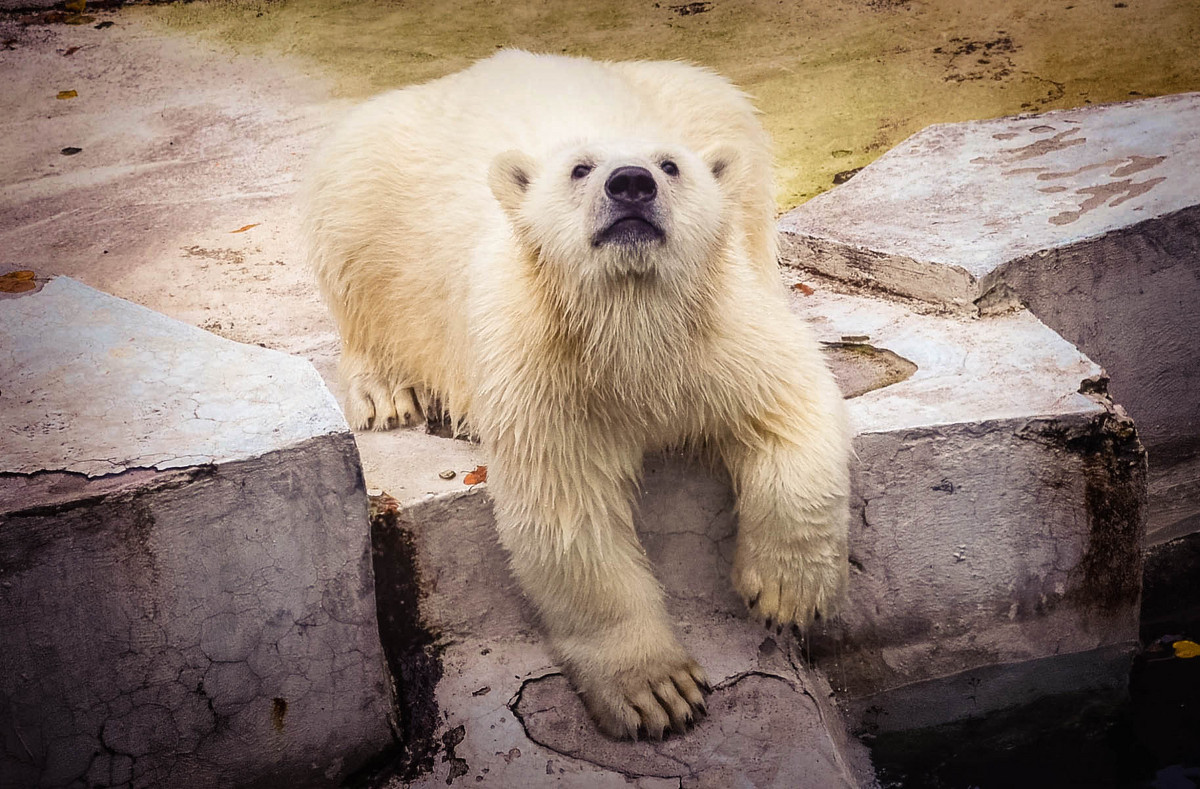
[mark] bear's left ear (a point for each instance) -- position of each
(509, 178)
(725, 163)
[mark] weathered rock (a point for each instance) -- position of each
(186, 596)
(487, 703)
(997, 513)
(1089, 217)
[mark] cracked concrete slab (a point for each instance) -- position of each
(505, 717)
(1089, 218)
(186, 595)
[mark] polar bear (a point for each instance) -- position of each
(578, 258)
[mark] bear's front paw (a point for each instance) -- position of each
(372, 402)
(647, 702)
(787, 584)
(634, 695)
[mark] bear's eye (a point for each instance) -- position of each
(580, 171)
(669, 167)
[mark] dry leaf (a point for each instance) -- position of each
(1186, 649)
(17, 282)
(75, 5)
(67, 94)
(476, 476)
(806, 290)
(244, 229)
(70, 51)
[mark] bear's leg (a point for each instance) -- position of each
(791, 560)
(372, 399)
(567, 524)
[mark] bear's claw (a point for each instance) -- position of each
(372, 403)
(783, 590)
(649, 707)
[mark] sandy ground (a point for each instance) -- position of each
(193, 120)
(168, 178)
(839, 81)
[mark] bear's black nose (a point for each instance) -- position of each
(631, 185)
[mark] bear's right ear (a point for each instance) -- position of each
(509, 177)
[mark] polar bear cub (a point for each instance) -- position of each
(578, 259)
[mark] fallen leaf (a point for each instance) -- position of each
(67, 94)
(476, 476)
(244, 229)
(103, 25)
(17, 282)
(70, 51)
(1186, 649)
(806, 290)
(70, 151)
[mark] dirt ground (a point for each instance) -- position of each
(154, 151)
(839, 81)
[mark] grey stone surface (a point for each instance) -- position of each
(506, 717)
(941, 212)
(195, 618)
(997, 510)
(1089, 217)
(109, 385)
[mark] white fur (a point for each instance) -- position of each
(459, 257)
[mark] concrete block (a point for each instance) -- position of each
(482, 699)
(1088, 217)
(996, 525)
(186, 594)
(997, 513)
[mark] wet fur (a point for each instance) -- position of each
(457, 255)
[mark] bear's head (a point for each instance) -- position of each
(602, 211)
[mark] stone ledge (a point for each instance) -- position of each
(100, 385)
(200, 612)
(939, 215)
(1090, 218)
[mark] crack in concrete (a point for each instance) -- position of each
(686, 771)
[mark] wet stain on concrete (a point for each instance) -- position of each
(1061, 141)
(279, 708)
(1112, 195)
(410, 647)
(860, 368)
(1109, 575)
(458, 766)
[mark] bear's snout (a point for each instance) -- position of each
(631, 185)
(632, 216)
